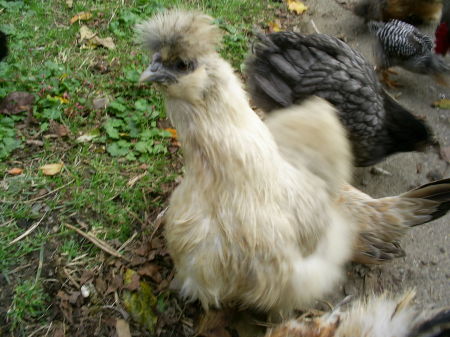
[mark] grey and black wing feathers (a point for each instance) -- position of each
(287, 67)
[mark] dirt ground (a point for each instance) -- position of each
(426, 266)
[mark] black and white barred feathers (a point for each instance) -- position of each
(401, 44)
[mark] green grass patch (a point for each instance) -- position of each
(29, 303)
(105, 148)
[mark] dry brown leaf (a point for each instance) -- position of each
(106, 42)
(82, 16)
(133, 180)
(16, 102)
(90, 39)
(214, 324)
(442, 104)
(86, 33)
(151, 270)
(15, 171)
(122, 328)
(173, 132)
(296, 6)
(274, 26)
(58, 129)
(51, 169)
(131, 280)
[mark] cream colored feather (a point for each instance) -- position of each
(262, 217)
(379, 316)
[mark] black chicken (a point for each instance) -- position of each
(3, 46)
(288, 67)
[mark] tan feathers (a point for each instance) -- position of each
(176, 32)
(263, 217)
(379, 316)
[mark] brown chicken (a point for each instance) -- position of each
(377, 317)
(411, 11)
(264, 216)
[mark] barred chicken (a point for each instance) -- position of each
(443, 30)
(379, 316)
(288, 67)
(263, 217)
(401, 44)
(411, 11)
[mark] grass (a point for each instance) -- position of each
(29, 303)
(105, 148)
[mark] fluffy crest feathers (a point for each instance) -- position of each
(179, 33)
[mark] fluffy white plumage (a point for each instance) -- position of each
(262, 217)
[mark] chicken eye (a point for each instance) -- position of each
(181, 65)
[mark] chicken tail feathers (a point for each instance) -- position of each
(436, 326)
(406, 131)
(383, 222)
(437, 192)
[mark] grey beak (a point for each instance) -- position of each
(148, 75)
(156, 72)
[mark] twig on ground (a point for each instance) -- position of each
(28, 231)
(158, 222)
(126, 243)
(99, 243)
(41, 263)
(314, 26)
(6, 223)
(71, 279)
(51, 192)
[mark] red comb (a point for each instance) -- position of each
(442, 39)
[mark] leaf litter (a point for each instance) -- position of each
(123, 296)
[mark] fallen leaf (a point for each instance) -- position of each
(133, 180)
(86, 33)
(214, 324)
(90, 40)
(15, 171)
(58, 129)
(274, 26)
(60, 99)
(51, 169)
(69, 3)
(82, 16)
(296, 6)
(151, 270)
(16, 102)
(140, 305)
(106, 42)
(173, 132)
(122, 328)
(100, 285)
(442, 103)
(131, 280)
(100, 102)
(88, 136)
(34, 142)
